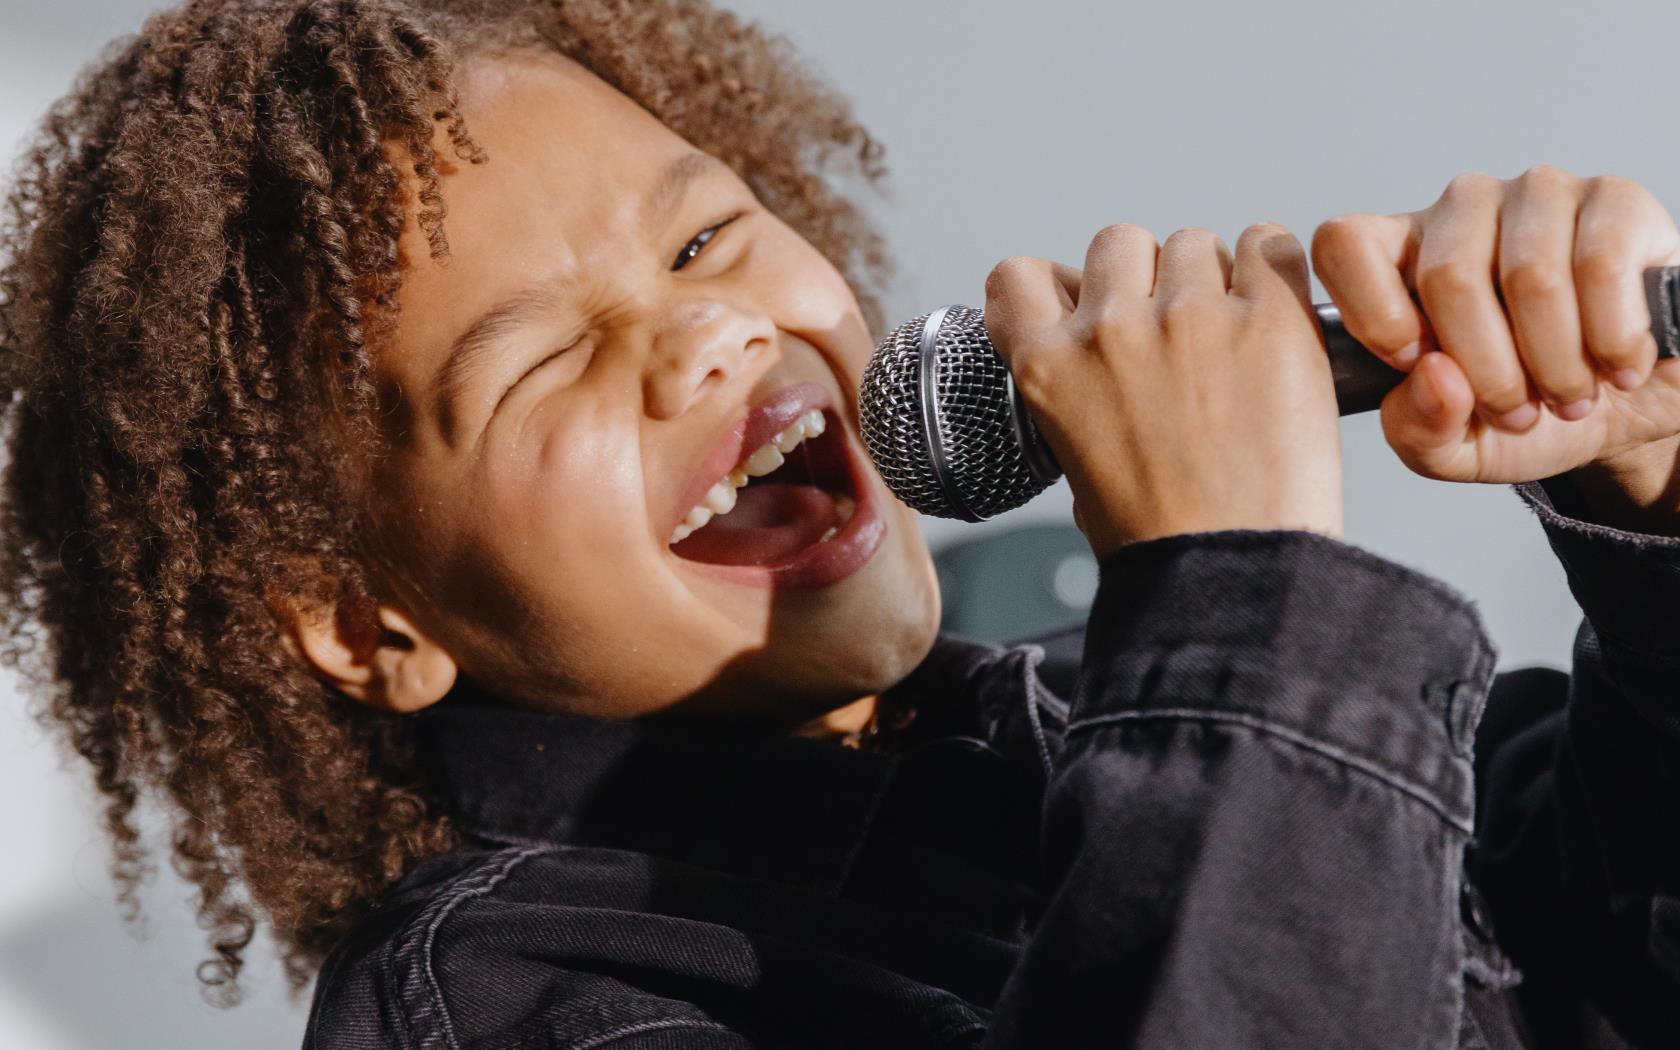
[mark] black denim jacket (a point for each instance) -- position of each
(1242, 809)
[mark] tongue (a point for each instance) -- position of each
(771, 522)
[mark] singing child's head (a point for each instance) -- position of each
(357, 349)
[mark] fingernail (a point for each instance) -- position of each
(1406, 357)
(1574, 410)
(1625, 378)
(1520, 418)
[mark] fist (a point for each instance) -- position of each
(1182, 389)
(1518, 308)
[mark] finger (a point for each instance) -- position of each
(1455, 272)
(1362, 261)
(1428, 418)
(1027, 300)
(1613, 246)
(1025, 294)
(1270, 262)
(1119, 264)
(1193, 264)
(1068, 280)
(1536, 278)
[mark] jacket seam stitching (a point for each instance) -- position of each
(1031, 656)
(638, 1027)
(1246, 539)
(1336, 754)
(1540, 502)
(472, 884)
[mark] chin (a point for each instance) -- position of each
(894, 626)
(850, 649)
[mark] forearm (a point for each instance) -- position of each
(1253, 831)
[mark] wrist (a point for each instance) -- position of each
(1637, 490)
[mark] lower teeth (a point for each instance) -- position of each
(843, 508)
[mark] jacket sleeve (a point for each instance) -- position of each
(1579, 846)
(1253, 831)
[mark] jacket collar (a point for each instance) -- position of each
(789, 808)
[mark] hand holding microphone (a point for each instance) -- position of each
(1499, 295)
(1181, 389)
(1534, 317)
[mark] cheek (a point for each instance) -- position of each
(812, 300)
(574, 483)
(550, 499)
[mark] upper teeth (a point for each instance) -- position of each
(720, 498)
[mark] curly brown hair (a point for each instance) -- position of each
(200, 255)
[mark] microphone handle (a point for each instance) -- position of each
(1362, 378)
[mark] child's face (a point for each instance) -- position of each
(532, 517)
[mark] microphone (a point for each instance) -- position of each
(951, 436)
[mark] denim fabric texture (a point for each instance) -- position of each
(1254, 803)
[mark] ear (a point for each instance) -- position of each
(401, 670)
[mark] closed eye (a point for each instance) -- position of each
(689, 251)
(531, 370)
(698, 244)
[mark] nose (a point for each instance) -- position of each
(701, 344)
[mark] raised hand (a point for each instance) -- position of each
(1518, 308)
(1181, 390)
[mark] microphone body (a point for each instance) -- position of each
(951, 435)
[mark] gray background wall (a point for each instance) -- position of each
(1011, 128)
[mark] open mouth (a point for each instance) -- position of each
(792, 493)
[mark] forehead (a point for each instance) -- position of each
(545, 100)
(560, 141)
(569, 160)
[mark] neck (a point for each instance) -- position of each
(840, 722)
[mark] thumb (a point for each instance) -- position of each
(1428, 417)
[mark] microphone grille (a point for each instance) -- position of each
(937, 414)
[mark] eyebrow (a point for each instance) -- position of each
(672, 183)
(469, 354)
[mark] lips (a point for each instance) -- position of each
(766, 419)
(786, 529)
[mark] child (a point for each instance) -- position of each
(434, 466)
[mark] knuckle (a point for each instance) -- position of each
(1110, 318)
(1546, 176)
(1400, 438)
(1449, 280)
(1357, 223)
(1596, 266)
(1008, 274)
(1627, 351)
(1567, 385)
(1388, 328)
(1341, 232)
(1270, 238)
(1192, 237)
(1504, 394)
(1570, 393)
(1471, 185)
(1117, 234)
(1182, 318)
(1534, 279)
(1614, 186)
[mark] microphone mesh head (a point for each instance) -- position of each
(960, 456)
